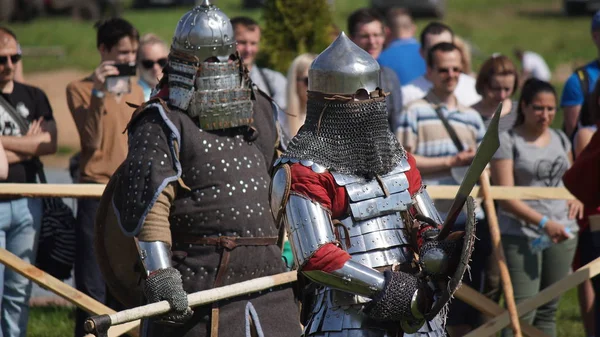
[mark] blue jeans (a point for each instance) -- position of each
(20, 222)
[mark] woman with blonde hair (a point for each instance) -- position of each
(497, 82)
(151, 59)
(297, 86)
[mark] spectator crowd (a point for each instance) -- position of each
(439, 109)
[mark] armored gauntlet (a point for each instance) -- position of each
(166, 285)
(405, 298)
(439, 259)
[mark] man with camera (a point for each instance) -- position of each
(98, 104)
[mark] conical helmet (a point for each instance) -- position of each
(204, 32)
(343, 68)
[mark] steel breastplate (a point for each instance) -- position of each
(375, 227)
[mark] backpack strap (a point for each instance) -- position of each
(583, 77)
(563, 139)
(584, 82)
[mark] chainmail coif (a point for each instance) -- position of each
(347, 136)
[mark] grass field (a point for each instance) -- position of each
(58, 321)
(490, 25)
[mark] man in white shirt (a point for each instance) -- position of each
(247, 35)
(465, 92)
(533, 65)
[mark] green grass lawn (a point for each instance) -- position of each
(58, 321)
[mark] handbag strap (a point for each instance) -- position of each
(24, 127)
(449, 128)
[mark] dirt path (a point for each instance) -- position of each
(54, 84)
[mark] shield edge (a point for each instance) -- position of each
(468, 245)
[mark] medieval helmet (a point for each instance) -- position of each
(343, 68)
(206, 76)
(204, 31)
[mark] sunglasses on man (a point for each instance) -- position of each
(149, 64)
(446, 71)
(13, 59)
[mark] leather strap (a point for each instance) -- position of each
(450, 129)
(228, 243)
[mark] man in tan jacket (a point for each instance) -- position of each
(99, 107)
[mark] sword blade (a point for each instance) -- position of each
(485, 152)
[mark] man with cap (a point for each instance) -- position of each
(579, 86)
(361, 225)
(193, 191)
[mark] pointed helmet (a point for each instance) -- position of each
(343, 68)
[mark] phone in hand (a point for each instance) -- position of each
(125, 69)
(120, 84)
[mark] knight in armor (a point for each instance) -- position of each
(363, 230)
(194, 190)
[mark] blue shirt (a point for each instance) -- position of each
(572, 93)
(402, 55)
(146, 87)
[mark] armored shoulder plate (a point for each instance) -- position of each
(308, 163)
(280, 191)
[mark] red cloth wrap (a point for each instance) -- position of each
(584, 224)
(321, 188)
(583, 178)
(328, 258)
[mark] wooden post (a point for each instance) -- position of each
(586, 272)
(498, 252)
(490, 308)
(65, 291)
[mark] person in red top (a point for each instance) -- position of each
(586, 144)
(357, 214)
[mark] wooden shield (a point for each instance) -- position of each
(116, 253)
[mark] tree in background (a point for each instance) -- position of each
(293, 27)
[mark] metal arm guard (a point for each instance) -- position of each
(154, 255)
(309, 227)
(425, 206)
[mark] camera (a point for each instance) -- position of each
(120, 84)
(125, 69)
